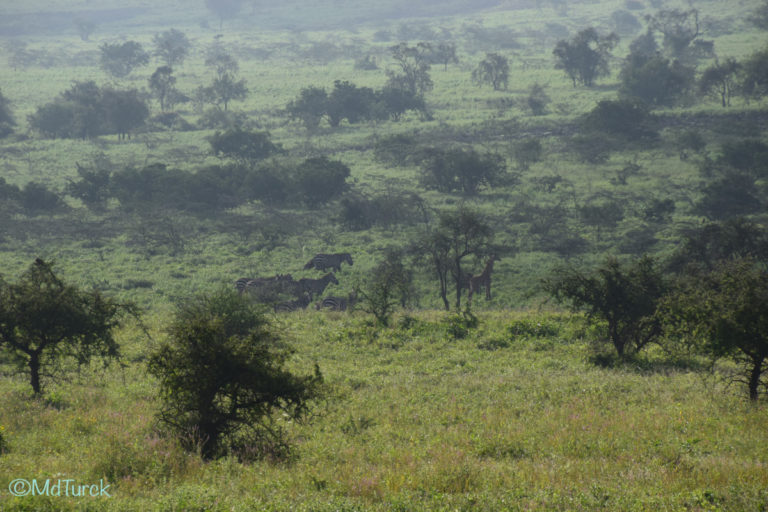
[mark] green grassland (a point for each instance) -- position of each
(514, 415)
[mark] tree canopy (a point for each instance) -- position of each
(45, 321)
(222, 378)
(585, 57)
(120, 59)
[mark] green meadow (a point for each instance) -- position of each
(525, 410)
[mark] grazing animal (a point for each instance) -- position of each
(315, 287)
(337, 303)
(324, 261)
(247, 284)
(293, 305)
(475, 283)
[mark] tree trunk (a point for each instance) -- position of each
(34, 371)
(754, 377)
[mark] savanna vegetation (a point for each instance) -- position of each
(462, 255)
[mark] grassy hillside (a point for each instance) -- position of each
(517, 414)
(514, 416)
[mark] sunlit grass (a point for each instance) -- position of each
(418, 418)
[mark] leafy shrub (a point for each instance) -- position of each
(527, 152)
(459, 325)
(464, 171)
(246, 147)
(399, 150)
(222, 379)
(624, 119)
(35, 197)
(319, 180)
(533, 328)
(537, 100)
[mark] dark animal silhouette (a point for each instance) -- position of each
(337, 303)
(324, 261)
(293, 305)
(315, 287)
(475, 283)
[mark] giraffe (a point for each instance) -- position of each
(475, 283)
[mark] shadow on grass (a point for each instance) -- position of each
(644, 364)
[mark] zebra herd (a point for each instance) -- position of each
(273, 289)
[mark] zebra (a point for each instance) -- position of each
(324, 261)
(247, 284)
(293, 305)
(337, 303)
(314, 287)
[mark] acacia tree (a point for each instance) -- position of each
(387, 286)
(223, 378)
(162, 86)
(719, 80)
(413, 62)
(679, 28)
(623, 297)
(494, 70)
(460, 233)
(445, 54)
(172, 46)
(244, 146)
(723, 315)
(224, 9)
(119, 59)
(44, 321)
(585, 57)
(310, 106)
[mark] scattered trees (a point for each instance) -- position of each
(120, 59)
(86, 111)
(223, 379)
(350, 102)
(44, 322)
(493, 70)
(585, 57)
